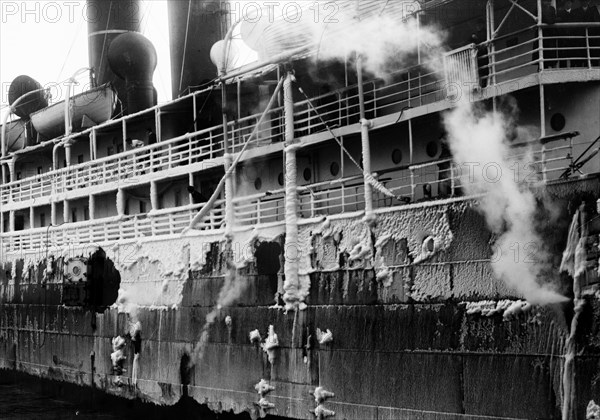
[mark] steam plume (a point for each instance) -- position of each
(231, 291)
(479, 138)
(384, 41)
(385, 33)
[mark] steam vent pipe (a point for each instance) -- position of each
(107, 20)
(133, 58)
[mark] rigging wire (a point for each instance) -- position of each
(202, 107)
(75, 38)
(369, 177)
(104, 41)
(145, 17)
(187, 28)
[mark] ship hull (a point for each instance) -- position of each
(407, 347)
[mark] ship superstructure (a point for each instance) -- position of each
(300, 224)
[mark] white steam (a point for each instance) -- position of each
(385, 42)
(385, 33)
(231, 291)
(478, 140)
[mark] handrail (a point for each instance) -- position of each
(386, 97)
(321, 198)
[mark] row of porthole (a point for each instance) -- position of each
(557, 122)
(334, 168)
(307, 174)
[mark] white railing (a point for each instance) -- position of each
(409, 87)
(427, 181)
(113, 229)
(460, 66)
(260, 208)
(331, 197)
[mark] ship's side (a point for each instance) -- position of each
(353, 295)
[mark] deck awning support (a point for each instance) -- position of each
(365, 140)
(292, 252)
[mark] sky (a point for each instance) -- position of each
(47, 40)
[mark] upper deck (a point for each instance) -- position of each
(522, 62)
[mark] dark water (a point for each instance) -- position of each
(21, 401)
(31, 398)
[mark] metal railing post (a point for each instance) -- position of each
(365, 125)
(412, 183)
(452, 180)
(587, 46)
(291, 286)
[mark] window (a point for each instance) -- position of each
(42, 219)
(39, 170)
(334, 168)
(119, 148)
(86, 213)
(142, 207)
(18, 175)
(307, 174)
(432, 149)
(80, 159)
(558, 122)
(74, 215)
(110, 151)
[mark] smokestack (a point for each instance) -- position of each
(107, 19)
(194, 27)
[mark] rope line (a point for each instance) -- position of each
(219, 188)
(368, 177)
(104, 41)
(187, 28)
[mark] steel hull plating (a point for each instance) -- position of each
(406, 347)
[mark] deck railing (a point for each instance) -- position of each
(421, 182)
(509, 57)
(113, 229)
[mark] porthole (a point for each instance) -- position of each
(258, 183)
(280, 179)
(432, 149)
(429, 245)
(397, 156)
(334, 168)
(558, 122)
(307, 174)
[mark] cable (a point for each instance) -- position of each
(187, 28)
(104, 41)
(200, 86)
(374, 183)
(402, 113)
(202, 107)
(75, 38)
(145, 16)
(576, 165)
